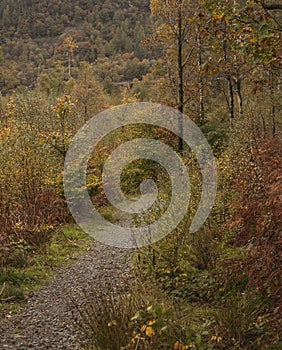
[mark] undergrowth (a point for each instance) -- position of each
(144, 318)
(216, 289)
(29, 268)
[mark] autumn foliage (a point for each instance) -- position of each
(260, 219)
(258, 227)
(30, 205)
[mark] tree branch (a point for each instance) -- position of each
(3, 289)
(272, 6)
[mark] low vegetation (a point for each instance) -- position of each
(28, 267)
(218, 289)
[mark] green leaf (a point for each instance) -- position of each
(136, 316)
(264, 29)
(198, 340)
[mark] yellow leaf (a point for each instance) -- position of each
(218, 14)
(143, 328)
(150, 323)
(179, 346)
(150, 331)
(113, 323)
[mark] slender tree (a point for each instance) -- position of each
(71, 46)
(177, 37)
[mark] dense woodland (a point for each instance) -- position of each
(219, 62)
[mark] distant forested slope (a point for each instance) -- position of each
(33, 34)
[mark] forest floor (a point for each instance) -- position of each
(47, 317)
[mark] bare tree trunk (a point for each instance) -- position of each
(273, 107)
(85, 113)
(69, 66)
(180, 78)
(230, 99)
(231, 102)
(263, 126)
(238, 92)
(201, 81)
(273, 115)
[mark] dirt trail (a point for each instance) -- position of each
(47, 319)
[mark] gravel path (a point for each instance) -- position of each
(46, 321)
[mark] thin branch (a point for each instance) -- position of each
(187, 100)
(272, 7)
(3, 289)
(189, 55)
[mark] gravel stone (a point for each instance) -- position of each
(48, 315)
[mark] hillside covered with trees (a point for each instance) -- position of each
(218, 62)
(34, 33)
